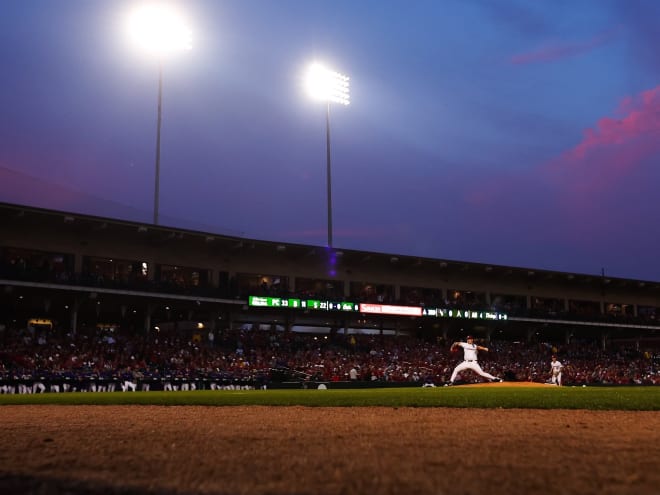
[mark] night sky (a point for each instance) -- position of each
(521, 133)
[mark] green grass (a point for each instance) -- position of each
(592, 398)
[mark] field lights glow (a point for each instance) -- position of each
(159, 30)
(327, 85)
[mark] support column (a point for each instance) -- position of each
(147, 319)
(213, 324)
(530, 333)
(75, 306)
(214, 278)
(232, 284)
(77, 264)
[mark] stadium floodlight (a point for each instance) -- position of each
(330, 87)
(327, 85)
(159, 30)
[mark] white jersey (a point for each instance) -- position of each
(469, 351)
(556, 367)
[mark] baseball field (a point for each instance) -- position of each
(493, 439)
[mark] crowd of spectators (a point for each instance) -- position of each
(109, 359)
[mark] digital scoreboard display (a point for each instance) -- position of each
(389, 309)
(368, 308)
(274, 302)
(464, 313)
(329, 305)
(317, 304)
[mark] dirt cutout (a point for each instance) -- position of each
(306, 450)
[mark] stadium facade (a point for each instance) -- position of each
(74, 270)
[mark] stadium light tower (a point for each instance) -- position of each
(159, 30)
(330, 87)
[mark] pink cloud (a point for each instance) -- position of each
(612, 165)
(615, 146)
(638, 120)
(560, 50)
(600, 180)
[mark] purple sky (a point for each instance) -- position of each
(523, 133)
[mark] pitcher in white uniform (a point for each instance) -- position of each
(470, 350)
(555, 371)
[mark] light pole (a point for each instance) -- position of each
(331, 87)
(158, 120)
(159, 30)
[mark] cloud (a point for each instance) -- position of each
(614, 147)
(637, 117)
(607, 179)
(24, 189)
(588, 196)
(557, 50)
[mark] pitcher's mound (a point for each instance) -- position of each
(508, 384)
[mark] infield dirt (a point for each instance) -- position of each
(301, 450)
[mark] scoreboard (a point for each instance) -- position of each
(369, 308)
(278, 302)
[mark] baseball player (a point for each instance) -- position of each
(470, 362)
(555, 371)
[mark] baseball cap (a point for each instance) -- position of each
(469, 337)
